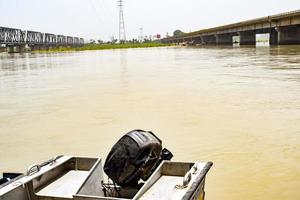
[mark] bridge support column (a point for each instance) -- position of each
(16, 49)
(247, 38)
(3, 49)
(10, 49)
(224, 39)
(21, 48)
(210, 39)
(273, 40)
(197, 40)
(288, 35)
(38, 47)
(33, 48)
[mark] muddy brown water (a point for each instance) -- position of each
(237, 107)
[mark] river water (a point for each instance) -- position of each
(237, 107)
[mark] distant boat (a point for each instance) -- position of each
(188, 43)
(184, 44)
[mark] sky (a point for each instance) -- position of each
(98, 19)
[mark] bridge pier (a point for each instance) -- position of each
(21, 48)
(247, 38)
(38, 47)
(2, 49)
(288, 35)
(210, 39)
(35, 47)
(273, 38)
(224, 39)
(197, 40)
(16, 49)
(10, 49)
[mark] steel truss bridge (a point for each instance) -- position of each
(18, 37)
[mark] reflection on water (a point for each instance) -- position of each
(238, 107)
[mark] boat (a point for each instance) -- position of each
(136, 168)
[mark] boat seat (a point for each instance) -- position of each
(66, 186)
(163, 188)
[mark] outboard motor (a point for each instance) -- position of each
(135, 156)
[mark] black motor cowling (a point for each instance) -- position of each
(135, 156)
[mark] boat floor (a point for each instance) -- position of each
(66, 186)
(164, 188)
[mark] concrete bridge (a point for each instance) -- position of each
(16, 40)
(283, 28)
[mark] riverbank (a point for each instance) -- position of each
(105, 46)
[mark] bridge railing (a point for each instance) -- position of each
(286, 14)
(81, 41)
(61, 39)
(33, 37)
(76, 41)
(70, 40)
(12, 35)
(50, 39)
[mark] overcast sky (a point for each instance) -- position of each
(99, 18)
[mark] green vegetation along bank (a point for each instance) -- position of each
(105, 46)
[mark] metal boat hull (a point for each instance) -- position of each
(78, 178)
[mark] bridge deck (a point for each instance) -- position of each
(263, 23)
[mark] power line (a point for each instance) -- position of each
(122, 33)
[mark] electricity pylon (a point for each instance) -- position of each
(122, 33)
